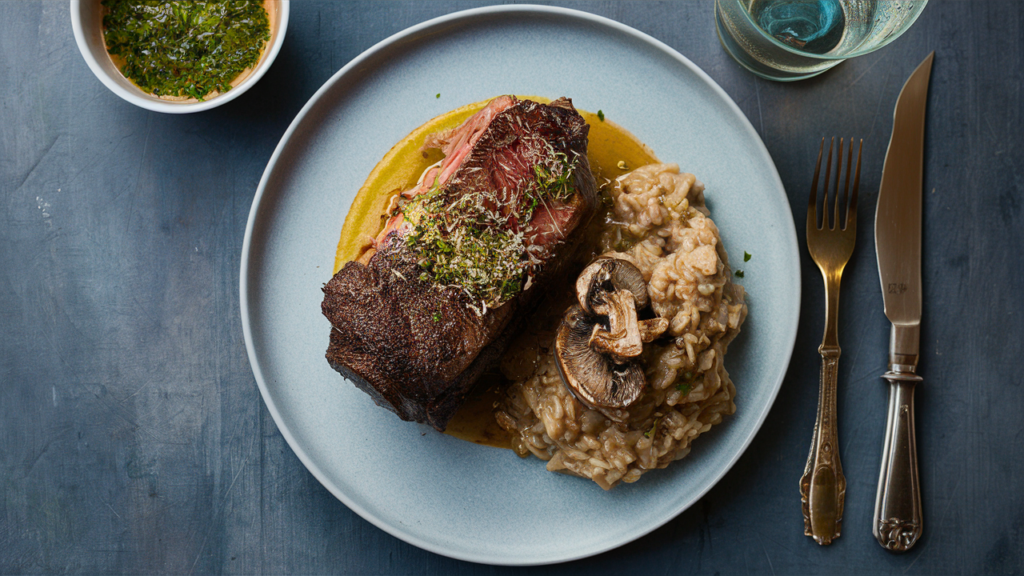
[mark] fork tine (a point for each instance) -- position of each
(851, 212)
(846, 190)
(828, 174)
(835, 193)
(812, 204)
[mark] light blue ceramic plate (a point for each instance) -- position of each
(448, 496)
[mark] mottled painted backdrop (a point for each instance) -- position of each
(132, 435)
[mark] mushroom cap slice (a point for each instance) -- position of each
(622, 339)
(608, 275)
(652, 329)
(593, 378)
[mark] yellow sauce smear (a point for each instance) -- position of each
(612, 151)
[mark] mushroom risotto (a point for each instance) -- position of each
(658, 223)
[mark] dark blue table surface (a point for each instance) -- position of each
(133, 438)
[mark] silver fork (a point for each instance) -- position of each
(823, 486)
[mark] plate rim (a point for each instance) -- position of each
(412, 33)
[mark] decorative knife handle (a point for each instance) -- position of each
(823, 486)
(898, 504)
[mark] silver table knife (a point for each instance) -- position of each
(897, 522)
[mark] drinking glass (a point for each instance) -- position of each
(789, 40)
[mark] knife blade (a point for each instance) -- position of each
(898, 517)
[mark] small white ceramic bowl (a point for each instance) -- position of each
(87, 22)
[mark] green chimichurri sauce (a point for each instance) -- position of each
(185, 49)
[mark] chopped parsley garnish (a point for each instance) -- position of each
(477, 242)
(654, 428)
(600, 115)
(746, 256)
(437, 317)
(738, 273)
(185, 49)
(686, 384)
(438, 95)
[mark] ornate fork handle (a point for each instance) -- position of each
(823, 486)
(898, 504)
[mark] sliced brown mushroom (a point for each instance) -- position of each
(651, 329)
(594, 378)
(599, 339)
(622, 339)
(606, 276)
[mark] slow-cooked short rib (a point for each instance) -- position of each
(417, 344)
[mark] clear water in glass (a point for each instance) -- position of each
(814, 27)
(795, 39)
